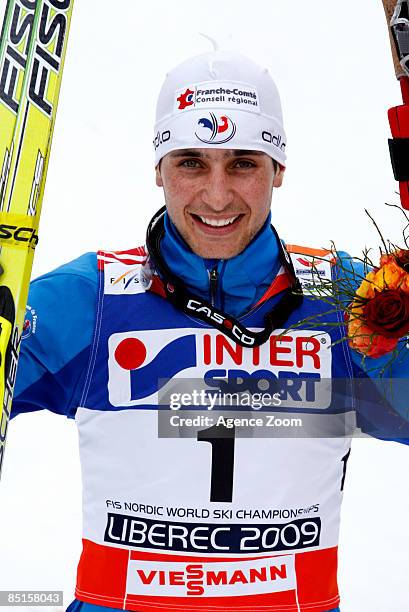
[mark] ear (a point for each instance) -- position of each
(158, 176)
(279, 176)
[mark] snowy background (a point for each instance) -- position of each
(333, 67)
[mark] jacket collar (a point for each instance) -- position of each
(241, 281)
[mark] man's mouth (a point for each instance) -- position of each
(217, 223)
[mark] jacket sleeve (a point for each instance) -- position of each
(382, 384)
(57, 338)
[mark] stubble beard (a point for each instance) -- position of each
(219, 250)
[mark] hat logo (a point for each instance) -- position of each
(214, 131)
(186, 99)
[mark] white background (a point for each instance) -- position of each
(333, 67)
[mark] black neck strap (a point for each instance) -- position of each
(195, 306)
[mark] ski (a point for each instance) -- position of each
(32, 52)
(397, 15)
(14, 44)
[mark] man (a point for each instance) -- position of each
(199, 522)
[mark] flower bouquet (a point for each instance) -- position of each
(379, 314)
(374, 297)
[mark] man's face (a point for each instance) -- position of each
(218, 199)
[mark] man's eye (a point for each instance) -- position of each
(244, 163)
(190, 163)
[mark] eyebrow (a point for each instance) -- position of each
(197, 153)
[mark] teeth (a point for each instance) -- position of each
(218, 222)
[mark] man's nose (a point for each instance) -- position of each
(217, 191)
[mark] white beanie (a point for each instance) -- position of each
(219, 99)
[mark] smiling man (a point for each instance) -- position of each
(218, 199)
(197, 522)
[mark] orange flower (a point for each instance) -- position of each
(367, 287)
(363, 339)
(387, 258)
(389, 276)
(400, 256)
(405, 284)
(371, 344)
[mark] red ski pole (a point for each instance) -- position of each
(397, 14)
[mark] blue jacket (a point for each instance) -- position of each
(61, 318)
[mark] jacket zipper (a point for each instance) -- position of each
(213, 278)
